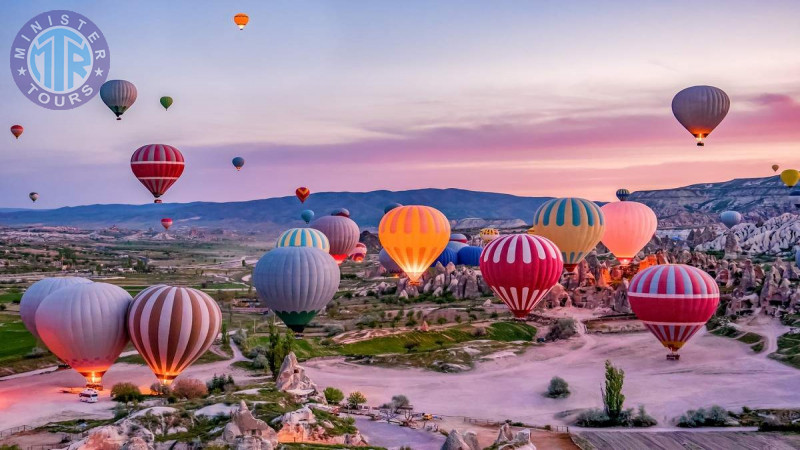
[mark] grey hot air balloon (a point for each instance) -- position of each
(296, 283)
(388, 263)
(84, 325)
(342, 233)
(730, 218)
(34, 295)
(118, 95)
(700, 109)
(171, 327)
(33, 196)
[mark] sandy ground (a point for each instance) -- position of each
(382, 434)
(37, 399)
(712, 370)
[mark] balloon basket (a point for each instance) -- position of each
(95, 386)
(673, 357)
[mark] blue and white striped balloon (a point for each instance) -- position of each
(304, 237)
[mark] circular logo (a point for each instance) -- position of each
(59, 59)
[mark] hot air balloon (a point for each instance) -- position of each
(531, 231)
(166, 102)
(489, 234)
(359, 252)
(574, 224)
(775, 167)
(84, 325)
(296, 283)
(157, 167)
(388, 263)
(34, 295)
(458, 237)
(304, 237)
(171, 327)
(241, 20)
(673, 301)
(414, 236)
(342, 233)
(166, 222)
(118, 95)
(390, 207)
(790, 177)
(446, 257)
(17, 130)
(470, 255)
(629, 227)
(307, 215)
(730, 218)
(700, 109)
(238, 162)
(33, 196)
(521, 269)
(623, 194)
(455, 246)
(302, 193)
(344, 212)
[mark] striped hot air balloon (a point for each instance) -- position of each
(34, 295)
(118, 95)
(84, 325)
(629, 227)
(388, 263)
(302, 193)
(489, 234)
(359, 252)
(674, 301)
(623, 194)
(575, 225)
(342, 233)
(700, 109)
(304, 237)
(458, 237)
(414, 236)
(172, 326)
(166, 222)
(521, 269)
(157, 167)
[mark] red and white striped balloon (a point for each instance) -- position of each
(157, 167)
(521, 269)
(674, 301)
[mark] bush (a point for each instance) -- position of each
(479, 332)
(356, 399)
(333, 396)
(220, 383)
(558, 388)
(716, 416)
(259, 362)
(189, 388)
(593, 418)
(564, 328)
(126, 392)
(441, 320)
(642, 419)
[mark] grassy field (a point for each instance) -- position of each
(207, 357)
(10, 297)
(788, 350)
(15, 340)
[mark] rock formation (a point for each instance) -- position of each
(457, 441)
(245, 431)
(124, 435)
(302, 426)
(292, 379)
(507, 440)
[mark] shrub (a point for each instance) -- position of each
(220, 383)
(259, 362)
(189, 388)
(564, 328)
(126, 392)
(356, 399)
(716, 416)
(159, 389)
(558, 388)
(593, 418)
(441, 320)
(642, 419)
(333, 396)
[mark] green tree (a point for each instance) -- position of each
(126, 392)
(613, 398)
(226, 339)
(558, 388)
(333, 396)
(356, 399)
(278, 347)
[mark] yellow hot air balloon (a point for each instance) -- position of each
(575, 225)
(414, 236)
(629, 227)
(531, 231)
(790, 177)
(489, 234)
(775, 167)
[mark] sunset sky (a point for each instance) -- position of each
(539, 98)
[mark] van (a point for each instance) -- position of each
(88, 396)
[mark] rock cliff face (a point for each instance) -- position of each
(292, 379)
(124, 435)
(774, 236)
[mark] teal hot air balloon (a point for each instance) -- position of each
(307, 215)
(296, 283)
(238, 162)
(730, 218)
(390, 207)
(118, 95)
(304, 237)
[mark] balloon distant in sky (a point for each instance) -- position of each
(344, 212)
(390, 207)
(166, 222)
(700, 109)
(302, 193)
(241, 20)
(118, 95)
(775, 167)
(342, 233)
(307, 215)
(489, 234)
(238, 162)
(17, 130)
(790, 177)
(157, 167)
(730, 218)
(414, 236)
(33, 196)
(359, 252)
(575, 225)
(629, 227)
(623, 194)
(674, 301)
(166, 102)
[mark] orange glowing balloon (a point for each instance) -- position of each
(414, 236)
(629, 227)
(241, 20)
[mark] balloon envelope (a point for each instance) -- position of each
(446, 257)
(790, 177)
(241, 20)
(342, 233)
(33, 196)
(700, 109)
(171, 327)
(296, 283)
(118, 95)
(414, 236)
(17, 130)
(34, 295)
(166, 102)
(157, 167)
(458, 237)
(575, 225)
(359, 252)
(629, 227)
(307, 215)
(775, 167)
(623, 194)
(390, 207)
(489, 234)
(470, 255)
(521, 269)
(344, 212)
(84, 325)
(730, 218)
(388, 263)
(674, 301)
(455, 246)
(302, 193)
(304, 237)
(166, 222)
(238, 162)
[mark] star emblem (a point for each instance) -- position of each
(22, 71)
(98, 72)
